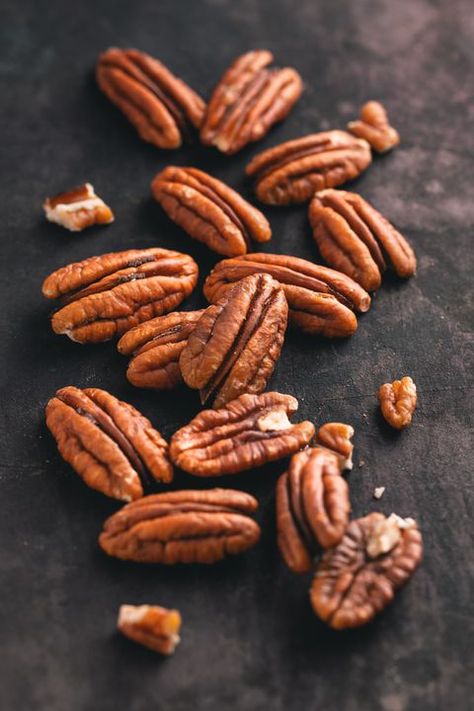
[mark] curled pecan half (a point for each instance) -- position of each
(77, 209)
(108, 442)
(320, 300)
(336, 436)
(236, 343)
(155, 627)
(104, 296)
(160, 106)
(182, 527)
(359, 577)
(374, 126)
(312, 507)
(248, 100)
(293, 171)
(246, 433)
(353, 237)
(398, 402)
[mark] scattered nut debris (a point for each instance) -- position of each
(379, 492)
(77, 209)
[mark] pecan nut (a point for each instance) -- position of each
(246, 433)
(248, 101)
(77, 209)
(236, 343)
(320, 300)
(155, 627)
(312, 507)
(359, 577)
(160, 106)
(293, 171)
(102, 297)
(209, 210)
(107, 442)
(356, 239)
(182, 527)
(398, 402)
(375, 127)
(336, 437)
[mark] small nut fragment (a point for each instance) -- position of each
(336, 436)
(398, 402)
(155, 627)
(379, 492)
(375, 127)
(273, 421)
(77, 209)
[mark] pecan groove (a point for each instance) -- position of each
(375, 127)
(150, 625)
(398, 402)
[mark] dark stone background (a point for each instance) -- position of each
(250, 640)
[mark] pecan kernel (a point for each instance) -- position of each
(77, 209)
(375, 127)
(336, 437)
(150, 625)
(398, 402)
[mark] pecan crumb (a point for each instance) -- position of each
(77, 209)
(379, 492)
(273, 421)
(386, 534)
(154, 627)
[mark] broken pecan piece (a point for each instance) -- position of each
(160, 106)
(248, 432)
(155, 627)
(359, 577)
(356, 239)
(374, 126)
(336, 437)
(248, 100)
(398, 402)
(293, 171)
(108, 442)
(320, 300)
(104, 296)
(77, 209)
(182, 527)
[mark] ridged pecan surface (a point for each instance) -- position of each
(375, 127)
(152, 626)
(336, 436)
(398, 402)
(77, 209)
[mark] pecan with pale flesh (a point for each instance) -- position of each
(398, 402)
(336, 437)
(293, 171)
(375, 127)
(359, 577)
(102, 297)
(246, 433)
(248, 100)
(162, 107)
(182, 527)
(355, 238)
(152, 626)
(77, 209)
(107, 442)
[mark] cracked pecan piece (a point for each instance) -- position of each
(182, 527)
(107, 442)
(77, 209)
(162, 107)
(152, 626)
(321, 301)
(336, 437)
(249, 99)
(209, 210)
(312, 507)
(236, 343)
(356, 239)
(375, 127)
(359, 577)
(102, 297)
(293, 171)
(246, 433)
(398, 402)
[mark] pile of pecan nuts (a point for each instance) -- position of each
(229, 350)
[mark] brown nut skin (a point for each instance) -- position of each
(209, 210)
(398, 402)
(107, 442)
(356, 239)
(236, 343)
(336, 437)
(293, 171)
(246, 433)
(152, 626)
(375, 127)
(162, 107)
(248, 100)
(102, 297)
(182, 527)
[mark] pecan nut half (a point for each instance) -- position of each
(209, 210)
(246, 433)
(152, 626)
(160, 106)
(182, 527)
(248, 101)
(375, 127)
(312, 507)
(398, 402)
(77, 209)
(154, 348)
(107, 442)
(102, 297)
(336, 437)
(356, 239)
(321, 301)
(293, 171)
(359, 577)
(236, 343)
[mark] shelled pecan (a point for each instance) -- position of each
(293, 171)
(375, 127)
(248, 100)
(209, 210)
(336, 437)
(312, 507)
(155, 627)
(108, 442)
(359, 577)
(102, 297)
(77, 209)
(182, 527)
(246, 433)
(356, 239)
(320, 300)
(162, 107)
(398, 402)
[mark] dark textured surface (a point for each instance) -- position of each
(250, 640)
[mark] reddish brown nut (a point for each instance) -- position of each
(107, 442)
(398, 402)
(336, 437)
(248, 100)
(359, 577)
(77, 209)
(374, 126)
(162, 108)
(150, 625)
